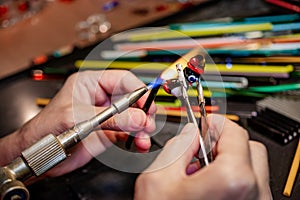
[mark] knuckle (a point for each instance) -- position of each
(66, 114)
(110, 124)
(135, 118)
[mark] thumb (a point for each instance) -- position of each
(132, 119)
(179, 151)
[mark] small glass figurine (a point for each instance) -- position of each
(188, 76)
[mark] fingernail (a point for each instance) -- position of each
(138, 119)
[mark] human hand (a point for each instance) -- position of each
(239, 171)
(84, 95)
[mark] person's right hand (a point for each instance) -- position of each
(83, 95)
(239, 171)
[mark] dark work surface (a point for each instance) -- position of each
(97, 181)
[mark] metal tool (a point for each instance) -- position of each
(155, 85)
(191, 116)
(203, 123)
(192, 72)
(196, 67)
(177, 85)
(51, 150)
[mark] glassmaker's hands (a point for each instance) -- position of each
(84, 95)
(239, 171)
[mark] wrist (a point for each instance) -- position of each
(10, 148)
(13, 144)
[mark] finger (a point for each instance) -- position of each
(86, 89)
(259, 158)
(150, 125)
(115, 136)
(178, 152)
(142, 142)
(232, 165)
(233, 142)
(101, 87)
(132, 119)
(141, 102)
(119, 81)
(193, 167)
(97, 86)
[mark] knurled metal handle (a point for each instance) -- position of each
(44, 154)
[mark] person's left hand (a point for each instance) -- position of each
(239, 171)
(84, 95)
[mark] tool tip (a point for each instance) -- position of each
(156, 83)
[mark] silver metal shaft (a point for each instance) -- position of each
(83, 129)
(203, 123)
(191, 116)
